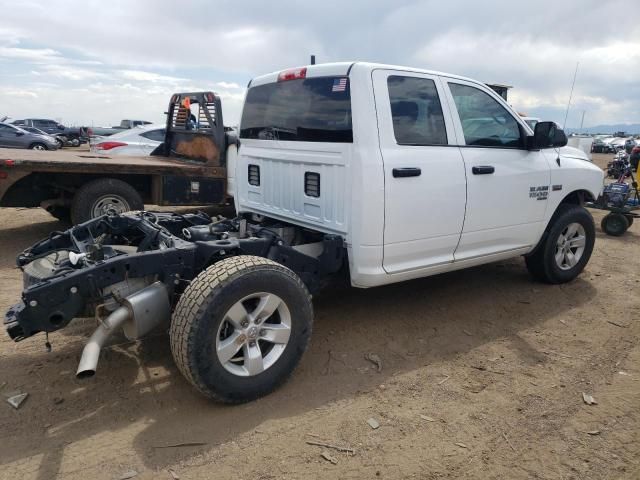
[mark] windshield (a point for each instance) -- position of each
(303, 110)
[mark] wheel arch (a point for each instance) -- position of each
(576, 197)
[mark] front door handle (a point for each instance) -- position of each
(483, 170)
(406, 172)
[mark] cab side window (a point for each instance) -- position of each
(416, 111)
(485, 123)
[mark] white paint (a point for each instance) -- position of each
(402, 228)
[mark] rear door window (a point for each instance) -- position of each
(416, 111)
(302, 110)
(485, 123)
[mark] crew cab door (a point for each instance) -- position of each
(507, 185)
(425, 195)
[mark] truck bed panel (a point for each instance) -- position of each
(87, 162)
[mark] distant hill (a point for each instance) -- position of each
(628, 128)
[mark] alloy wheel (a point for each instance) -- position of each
(570, 246)
(253, 334)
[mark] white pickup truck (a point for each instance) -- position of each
(390, 172)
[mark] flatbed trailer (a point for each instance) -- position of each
(188, 168)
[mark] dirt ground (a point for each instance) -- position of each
(482, 376)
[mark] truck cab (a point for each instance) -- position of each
(419, 171)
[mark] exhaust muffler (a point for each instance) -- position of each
(139, 313)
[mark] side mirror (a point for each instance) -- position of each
(19, 134)
(547, 135)
(60, 127)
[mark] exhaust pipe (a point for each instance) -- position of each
(91, 353)
(139, 314)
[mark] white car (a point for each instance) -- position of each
(136, 141)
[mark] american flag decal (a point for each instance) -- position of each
(339, 85)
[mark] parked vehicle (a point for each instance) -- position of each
(629, 145)
(188, 168)
(601, 146)
(387, 172)
(620, 143)
(136, 141)
(15, 137)
(75, 136)
(634, 158)
(127, 124)
(124, 125)
(61, 140)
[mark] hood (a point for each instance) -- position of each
(573, 152)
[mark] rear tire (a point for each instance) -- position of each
(565, 247)
(103, 196)
(615, 224)
(209, 306)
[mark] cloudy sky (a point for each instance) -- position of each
(96, 62)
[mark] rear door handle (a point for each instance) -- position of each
(483, 170)
(406, 172)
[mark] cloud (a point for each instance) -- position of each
(20, 93)
(227, 85)
(35, 55)
(141, 76)
(71, 72)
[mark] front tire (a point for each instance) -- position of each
(240, 328)
(565, 247)
(37, 146)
